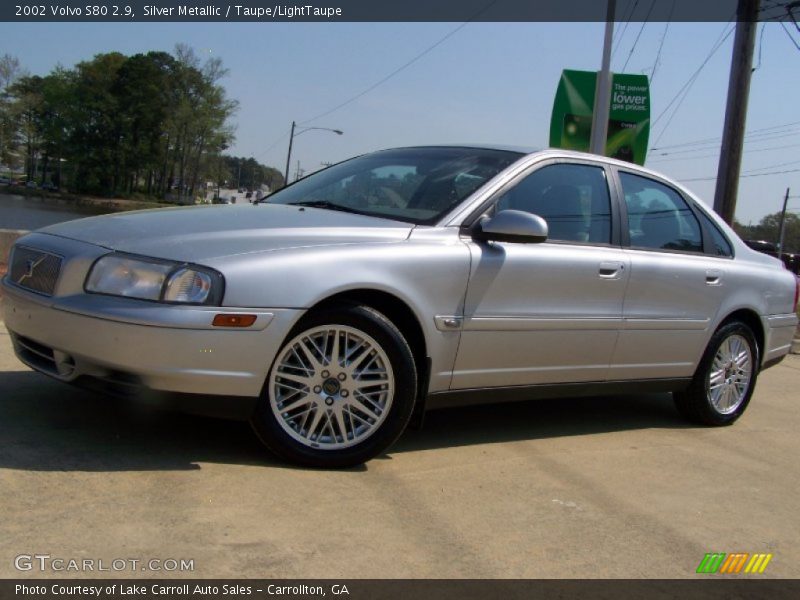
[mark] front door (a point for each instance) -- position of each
(550, 312)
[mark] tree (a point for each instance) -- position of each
(10, 71)
(55, 124)
(248, 173)
(768, 229)
(94, 142)
(154, 123)
(143, 92)
(28, 100)
(197, 124)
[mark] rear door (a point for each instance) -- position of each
(674, 288)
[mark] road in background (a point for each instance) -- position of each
(20, 212)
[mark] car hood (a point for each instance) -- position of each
(194, 234)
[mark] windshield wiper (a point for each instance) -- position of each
(327, 204)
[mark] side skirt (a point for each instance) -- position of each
(562, 390)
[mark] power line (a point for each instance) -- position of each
(400, 68)
(783, 164)
(789, 33)
(661, 44)
(745, 175)
(775, 4)
(618, 42)
(789, 10)
(641, 29)
(684, 91)
(275, 143)
(717, 139)
(384, 80)
(760, 46)
(753, 140)
(717, 44)
(770, 173)
(716, 154)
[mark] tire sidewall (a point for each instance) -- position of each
(379, 328)
(700, 384)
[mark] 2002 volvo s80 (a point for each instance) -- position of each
(406, 279)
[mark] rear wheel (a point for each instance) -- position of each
(725, 379)
(340, 391)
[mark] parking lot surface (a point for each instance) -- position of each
(599, 487)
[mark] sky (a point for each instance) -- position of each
(473, 83)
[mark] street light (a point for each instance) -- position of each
(291, 138)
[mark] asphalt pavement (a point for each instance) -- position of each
(598, 487)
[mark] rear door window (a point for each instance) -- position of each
(658, 217)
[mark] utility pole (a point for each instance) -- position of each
(602, 92)
(289, 156)
(730, 159)
(782, 226)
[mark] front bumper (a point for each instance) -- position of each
(137, 344)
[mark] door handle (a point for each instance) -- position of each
(713, 277)
(610, 270)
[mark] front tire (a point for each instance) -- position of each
(340, 391)
(725, 379)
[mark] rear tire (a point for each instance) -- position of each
(725, 378)
(340, 391)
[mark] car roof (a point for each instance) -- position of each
(486, 146)
(525, 151)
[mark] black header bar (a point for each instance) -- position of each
(267, 11)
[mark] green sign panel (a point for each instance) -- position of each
(628, 122)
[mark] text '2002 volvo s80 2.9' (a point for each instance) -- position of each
(406, 279)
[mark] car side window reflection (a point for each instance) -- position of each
(573, 199)
(722, 247)
(658, 217)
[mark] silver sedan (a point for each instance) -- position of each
(336, 311)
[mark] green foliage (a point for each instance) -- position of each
(10, 71)
(768, 230)
(246, 172)
(117, 125)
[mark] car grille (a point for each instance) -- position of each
(34, 270)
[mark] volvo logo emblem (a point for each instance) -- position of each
(31, 267)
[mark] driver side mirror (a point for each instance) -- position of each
(511, 226)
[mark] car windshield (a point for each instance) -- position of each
(416, 185)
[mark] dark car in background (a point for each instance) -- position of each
(792, 261)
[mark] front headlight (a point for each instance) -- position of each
(157, 280)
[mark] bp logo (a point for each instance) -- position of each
(739, 562)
